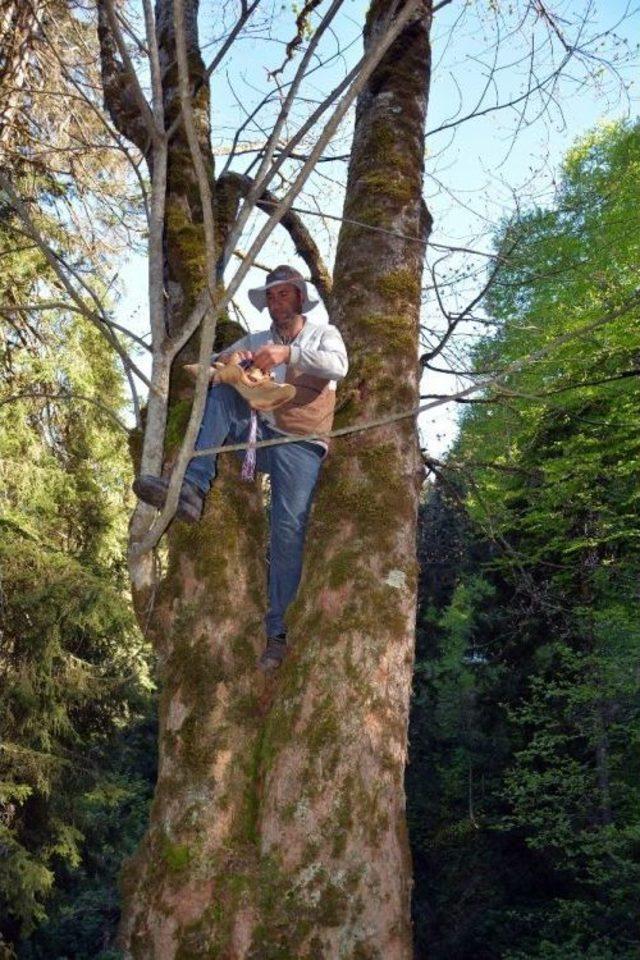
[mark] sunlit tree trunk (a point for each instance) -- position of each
(277, 827)
(333, 810)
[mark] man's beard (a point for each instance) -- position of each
(285, 320)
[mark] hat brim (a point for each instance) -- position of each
(258, 295)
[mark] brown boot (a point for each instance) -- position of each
(273, 654)
(153, 490)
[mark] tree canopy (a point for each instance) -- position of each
(527, 710)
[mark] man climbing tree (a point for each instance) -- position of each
(310, 358)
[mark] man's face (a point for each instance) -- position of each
(284, 302)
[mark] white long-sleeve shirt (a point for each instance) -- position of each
(318, 349)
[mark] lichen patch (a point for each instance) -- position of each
(396, 579)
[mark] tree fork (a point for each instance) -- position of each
(277, 827)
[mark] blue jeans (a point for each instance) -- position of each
(294, 469)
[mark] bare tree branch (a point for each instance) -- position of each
(454, 320)
(305, 245)
(266, 169)
(247, 12)
(63, 305)
(154, 434)
(98, 319)
(366, 67)
(302, 23)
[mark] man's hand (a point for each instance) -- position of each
(271, 356)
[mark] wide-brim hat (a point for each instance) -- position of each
(282, 274)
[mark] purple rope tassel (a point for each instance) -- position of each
(249, 462)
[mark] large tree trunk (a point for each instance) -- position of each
(333, 811)
(277, 828)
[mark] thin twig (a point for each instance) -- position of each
(63, 305)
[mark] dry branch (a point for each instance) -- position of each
(305, 246)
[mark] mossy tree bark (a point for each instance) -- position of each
(332, 804)
(277, 827)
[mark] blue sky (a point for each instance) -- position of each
(476, 171)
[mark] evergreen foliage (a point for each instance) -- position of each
(76, 766)
(524, 785)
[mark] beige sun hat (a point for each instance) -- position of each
(282, 274)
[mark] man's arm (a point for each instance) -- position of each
(328, 359)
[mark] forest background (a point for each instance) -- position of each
(522, 788)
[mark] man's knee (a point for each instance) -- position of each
(224, 406)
